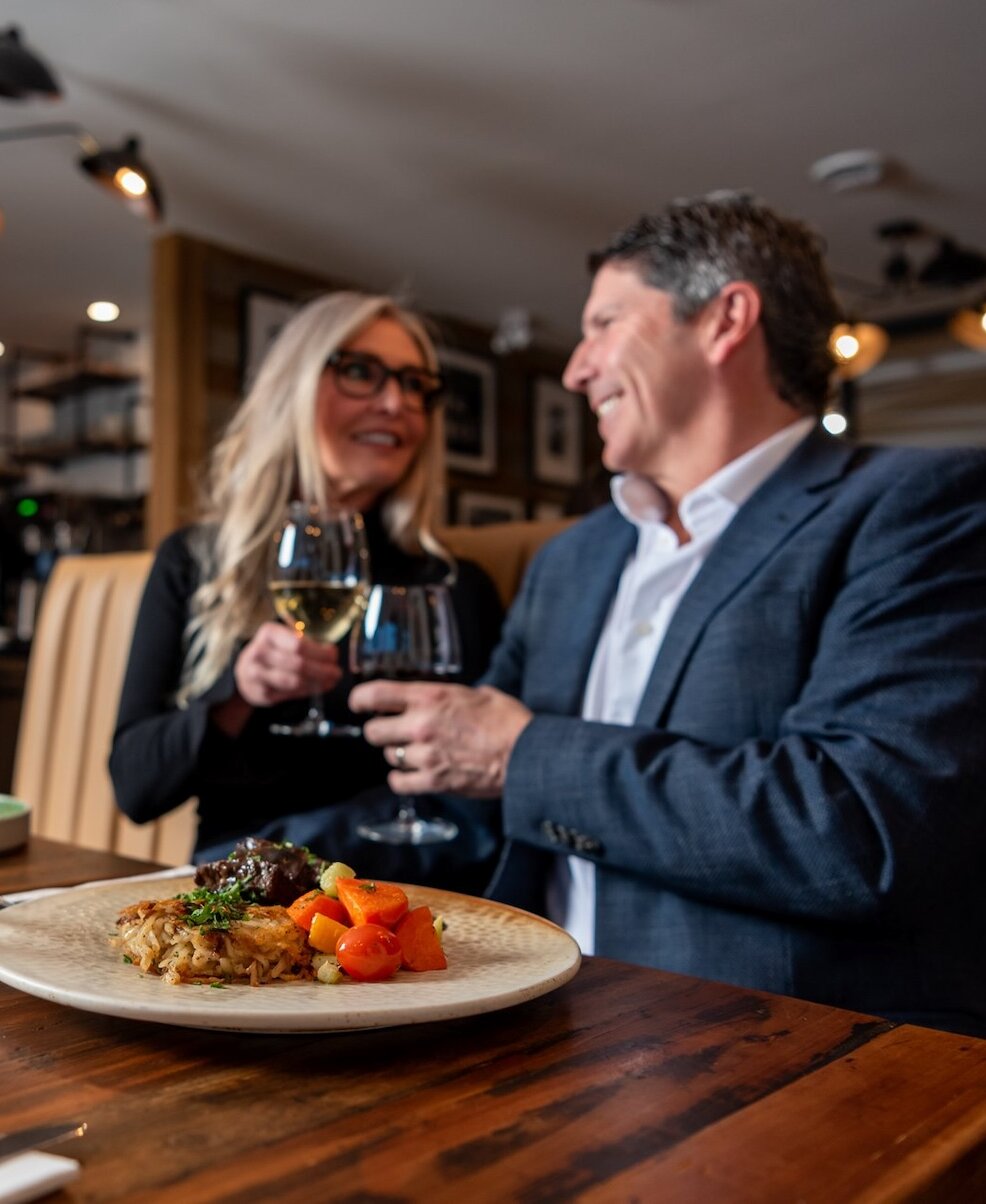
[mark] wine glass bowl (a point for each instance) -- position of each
(409, 633)
(318, 579)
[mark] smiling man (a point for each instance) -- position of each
(735, 717)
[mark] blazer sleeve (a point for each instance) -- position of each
(160, 752)
(870, 792)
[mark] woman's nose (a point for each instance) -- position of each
(391, 399)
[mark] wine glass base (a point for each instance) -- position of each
(409, 830)
(315, 727)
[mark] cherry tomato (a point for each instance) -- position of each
(369, 953)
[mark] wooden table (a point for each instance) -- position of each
(627, 1084)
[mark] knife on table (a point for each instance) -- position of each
(40, 1135)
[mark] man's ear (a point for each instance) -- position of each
(732, 317)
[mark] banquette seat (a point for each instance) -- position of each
(76, 670)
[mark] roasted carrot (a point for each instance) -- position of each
(304, 909)
(325, 933)
(420, 947)
(369, 902)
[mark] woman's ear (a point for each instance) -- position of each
(733, 316)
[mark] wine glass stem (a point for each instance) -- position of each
(407, 813)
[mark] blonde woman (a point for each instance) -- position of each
(345, 409)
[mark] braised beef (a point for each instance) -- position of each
(269, 872)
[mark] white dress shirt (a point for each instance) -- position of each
(651, 586)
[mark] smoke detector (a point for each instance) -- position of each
(846, 170)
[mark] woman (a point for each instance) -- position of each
(343, 411)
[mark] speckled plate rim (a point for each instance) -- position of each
(58, 948)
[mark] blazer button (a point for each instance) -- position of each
(550, 831)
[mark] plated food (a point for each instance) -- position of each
(57, 948)
(257, 918)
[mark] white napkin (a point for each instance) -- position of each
(28, 1176)
(179, 871)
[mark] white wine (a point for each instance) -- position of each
(320, 611)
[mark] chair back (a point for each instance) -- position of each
(75, 673)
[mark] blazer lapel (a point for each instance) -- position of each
(579, 625)
(795, 491)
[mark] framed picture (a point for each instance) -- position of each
(470, 412)
(263, 316)
(558, 433)
(478, 509)
(547, 511)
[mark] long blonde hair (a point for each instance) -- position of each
(268, 455)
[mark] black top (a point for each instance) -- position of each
(163, 755)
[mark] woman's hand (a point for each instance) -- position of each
(278, 664)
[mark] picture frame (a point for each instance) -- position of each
(470, 412)
(474, 509)
(263, 315)
(558, 438)
(546, 512)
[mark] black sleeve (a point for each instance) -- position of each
(159, 750)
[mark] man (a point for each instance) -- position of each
(736, 719)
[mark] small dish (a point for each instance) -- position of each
(15, 822)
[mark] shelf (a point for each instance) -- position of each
(58, 451)
(10, 475)
(65, 381)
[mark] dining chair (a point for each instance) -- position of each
(74, 675)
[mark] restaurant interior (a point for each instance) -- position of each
(177, 179)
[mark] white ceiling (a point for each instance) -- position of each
(471, 151)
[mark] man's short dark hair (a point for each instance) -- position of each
(694, 247)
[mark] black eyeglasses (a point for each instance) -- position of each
(360, 375)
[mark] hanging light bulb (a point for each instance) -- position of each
(968, 326)
(856, 348)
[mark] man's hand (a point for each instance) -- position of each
(442, 738)
(278, 664)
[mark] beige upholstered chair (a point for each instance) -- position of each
(76, 670)
(70, 699)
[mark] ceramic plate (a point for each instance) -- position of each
(58, 948)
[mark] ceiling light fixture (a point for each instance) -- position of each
(122, 171)
(22, 73)
(103, 311)
(513, 332)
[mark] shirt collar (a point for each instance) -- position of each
(713, 503)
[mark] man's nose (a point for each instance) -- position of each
(577, 369)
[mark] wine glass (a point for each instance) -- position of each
(318, 577)
(408, 633)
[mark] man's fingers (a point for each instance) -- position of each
(385, 731)
(385, 697)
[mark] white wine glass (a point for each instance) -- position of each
(319, 578)
(408, 633)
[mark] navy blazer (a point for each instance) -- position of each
(799, 805)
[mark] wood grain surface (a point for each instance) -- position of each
(44, 862)
(626, 1084)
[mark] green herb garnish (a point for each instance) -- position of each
(128, 959)
(215, 909)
